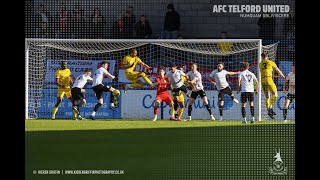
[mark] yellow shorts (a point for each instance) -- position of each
(64, 91)
(183, 79)
(180, 97)
(268, 84)
(133, 76)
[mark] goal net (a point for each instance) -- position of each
(44, 56)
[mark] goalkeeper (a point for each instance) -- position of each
(129, 64)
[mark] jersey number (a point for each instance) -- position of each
(249, 77)
(264, 65)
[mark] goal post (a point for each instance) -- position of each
(26, 78)
(44, 55)
(259, 79)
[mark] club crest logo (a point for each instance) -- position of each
(278, 167)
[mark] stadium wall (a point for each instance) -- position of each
(197, 19)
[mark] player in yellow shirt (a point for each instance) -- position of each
(64, 81)
(266, 67)
(225, 47)
(129, 64)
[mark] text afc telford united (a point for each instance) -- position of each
(254, 10)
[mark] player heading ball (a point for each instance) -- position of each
(129, 64)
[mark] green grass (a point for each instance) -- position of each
(50, 125)
(158, 150)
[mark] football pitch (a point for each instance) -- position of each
(119, 149)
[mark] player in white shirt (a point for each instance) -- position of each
(77, 93)
(195, 81)
(290, 81)
(218, 78)
(177, 85)
(246, 82)
(99, 88)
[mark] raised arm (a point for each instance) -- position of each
(279, 72)
(108, 74)
(233, 73)
(90, 79)
(141, 63)
(144, 65)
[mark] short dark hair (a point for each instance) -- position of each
(173, 65)
(245, 64)
(87, 70)
(294, 64)
(64, 63)
(132, 50)
(220, 63)
(264, 54)
(162, 69)
(103, 62)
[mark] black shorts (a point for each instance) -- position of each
(76, 94)
(224, 91)
(183, 88)
(99, 89)
(291, 97)
(195, 94)
(247, 96)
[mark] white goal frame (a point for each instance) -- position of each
(27, 40)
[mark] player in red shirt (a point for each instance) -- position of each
(162, 94)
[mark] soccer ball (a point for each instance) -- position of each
(116, 93)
